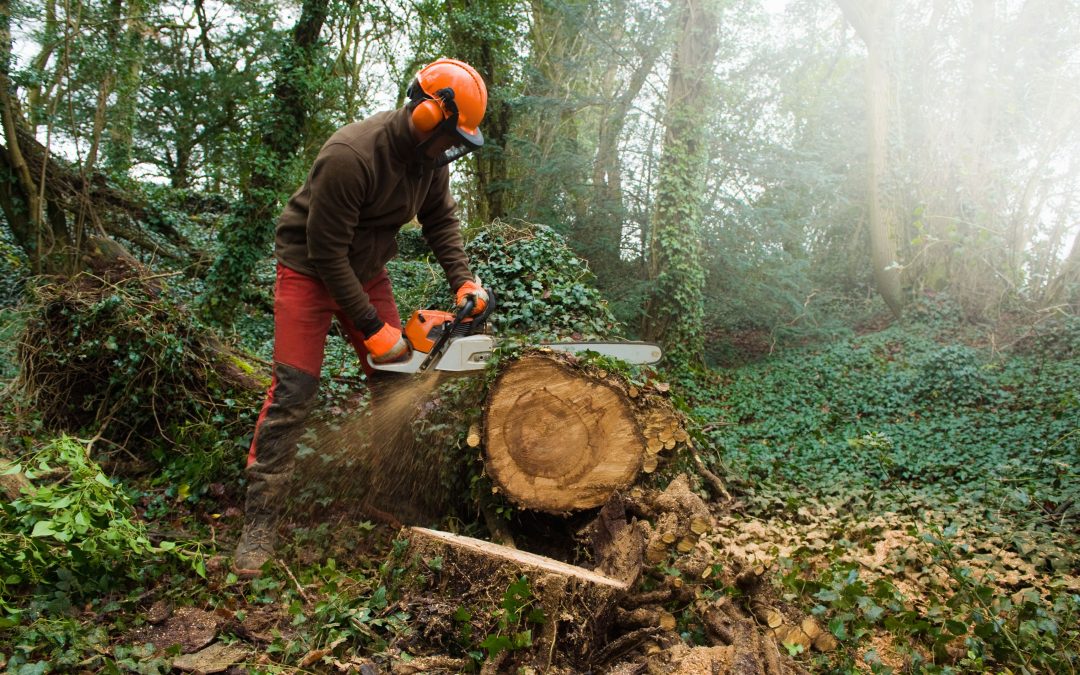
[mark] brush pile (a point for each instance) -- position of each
(111, 355)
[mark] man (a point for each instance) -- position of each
(333, 240)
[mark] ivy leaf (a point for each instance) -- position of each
(43, 528)
(494, 644)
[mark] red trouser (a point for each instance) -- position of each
(302, 312)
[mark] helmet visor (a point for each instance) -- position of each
(452, 142)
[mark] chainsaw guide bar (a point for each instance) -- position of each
(456, 343)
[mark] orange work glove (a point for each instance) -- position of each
(387, 345)
(472, 288)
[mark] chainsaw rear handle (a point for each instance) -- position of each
(462, 314)
(482, 317)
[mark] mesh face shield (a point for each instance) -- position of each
(451, 141)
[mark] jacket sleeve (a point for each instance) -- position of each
(442, 231)
(338, 184)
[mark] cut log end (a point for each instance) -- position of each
(558, 439)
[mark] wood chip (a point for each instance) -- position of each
(633, 392)
(669, 444)
(825, 642)
(699, 526)
(681, 436)
(667, 621)
(810, 627)
(653, 446)
(792, 635)
(601, 374)
(668, 538)
(216, 658)
(650, 464)
(685, 545)
(313, 657)
(774, 618)
(473, 439)
(662, 387)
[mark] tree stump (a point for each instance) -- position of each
(559, 439)
(578, 605)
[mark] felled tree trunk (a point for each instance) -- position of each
(561, 438)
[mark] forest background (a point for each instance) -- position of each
(883, 193)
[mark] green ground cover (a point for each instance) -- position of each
(916, 489)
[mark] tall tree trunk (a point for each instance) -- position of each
(491, 173)
(482, 33)
(20, 198)
(675, 312)
(601, 240)
(247, 236)
(1066, 285)
(121, 119)
(871, 20)
(36, 93)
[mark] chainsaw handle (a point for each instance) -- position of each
(463, 313)
(465, 309)
(482, 317)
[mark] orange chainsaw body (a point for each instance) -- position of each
(422, 324)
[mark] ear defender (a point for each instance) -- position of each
(427, 115)
(427, 112)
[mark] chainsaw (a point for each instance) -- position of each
(457, 342)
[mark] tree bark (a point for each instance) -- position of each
(22, 198)
(675, 312)
(121, 119)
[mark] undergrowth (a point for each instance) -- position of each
(120, 360)
(973, 457)
(72, 533)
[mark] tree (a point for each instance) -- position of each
(121, 122)
(872, 21)
(249, 232)
(36, 221)
(485, 34)
(675, 311)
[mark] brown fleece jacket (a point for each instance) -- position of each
(367, 182)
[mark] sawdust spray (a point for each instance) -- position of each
(369, 461)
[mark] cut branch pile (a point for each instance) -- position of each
(113, 356)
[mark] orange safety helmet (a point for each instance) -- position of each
(449, 97)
